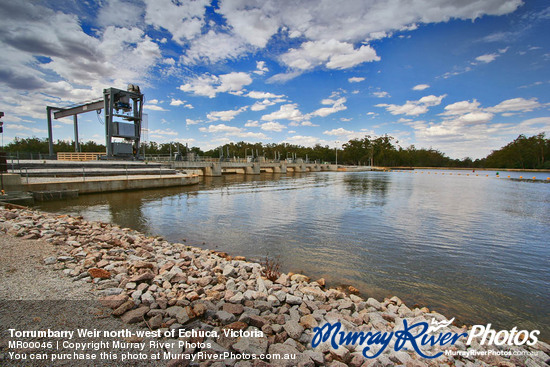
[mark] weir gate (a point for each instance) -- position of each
(250, 168)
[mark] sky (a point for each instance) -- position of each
(464, 77)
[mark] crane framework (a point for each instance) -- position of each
(116, 104)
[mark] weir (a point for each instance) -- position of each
(251, 168)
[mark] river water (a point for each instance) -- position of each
(470, 246)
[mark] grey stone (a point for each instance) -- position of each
(293, 300)
(293, 329)
(225, 317)
(251, 345)
(229, 271)
(50, 260)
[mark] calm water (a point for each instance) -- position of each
(472, 247)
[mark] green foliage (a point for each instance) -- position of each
(36, 145)
(523, 153)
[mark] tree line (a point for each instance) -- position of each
(522, 153)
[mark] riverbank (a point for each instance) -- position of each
(172, 286)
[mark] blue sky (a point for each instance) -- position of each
(464, 77)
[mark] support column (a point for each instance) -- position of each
(76, 143)
(254, 170)
(215, 169)
(50, 134)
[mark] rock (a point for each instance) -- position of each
(317, 357)
(293, 300)
(147, 298)
(316, 293)
(257, 321)
(374, 303)
(308, 321)
(225, 317)
(148, 275)
(182, 314)
(229, 271)
(126, 306)
(199, 309)
(235, 309)
(237, 298)
(353, 290)
(113, 301)
(251, 345)
(283, 280)
(299, 278)
(99, 273)
(50, 260)
(155, 322)
(293, 329)
(111, 291)
(342, 354)
(302, 359)
(134, 316)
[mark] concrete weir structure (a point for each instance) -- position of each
(250, 168)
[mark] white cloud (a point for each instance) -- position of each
(192, 122)
(515, 104)
(225, 115)
(460, 108)
(183, 20)
(308, 141)
(261, 69)
(251, 123)
(221, 128)
(332, 53)
(337, 132)
(355, 79)
(331, 29)
(110, 14)
(308, 123)
(261, 105)
(179, 102)
(251, 136)
(487, 58)
(286, 112)
(273, 126)
(420, 87)
(20, 127)
(263, 95)
(153, 107)
(169, 132)
(214, 47)
(413, 108)
(381, 94)
(209, 85)
(337, 105)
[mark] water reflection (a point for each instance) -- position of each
(367, 190)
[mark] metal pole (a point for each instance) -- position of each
(27, 173)
(83, 174)
(50, 133)
(76, 144)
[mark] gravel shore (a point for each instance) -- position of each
(61, 272)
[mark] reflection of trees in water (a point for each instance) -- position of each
(372, 190)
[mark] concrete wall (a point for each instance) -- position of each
(11, 182)
(93, 186)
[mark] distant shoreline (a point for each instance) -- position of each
(472, 169)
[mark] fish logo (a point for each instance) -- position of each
(436, 325)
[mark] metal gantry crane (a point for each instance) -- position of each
(116, 103)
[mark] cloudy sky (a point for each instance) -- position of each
(464, 77)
